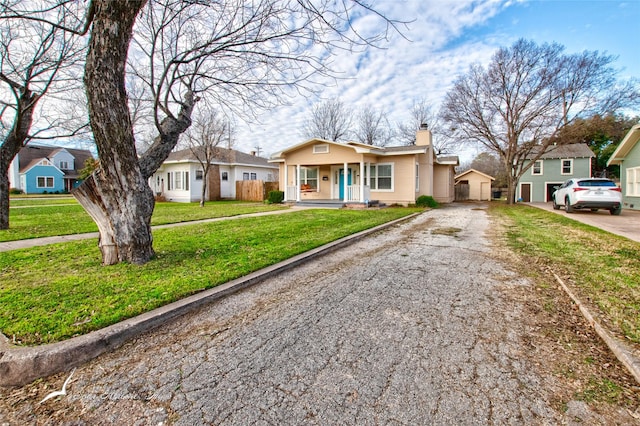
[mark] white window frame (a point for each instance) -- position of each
(632, 188)
(64, 165)
(306, 180)
(541, 166)
(375, 177)
(570, 160)
(178, 181)
(47, 179)
(321, 148)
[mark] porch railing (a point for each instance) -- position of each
(292, 193)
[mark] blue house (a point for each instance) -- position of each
(556, 165)
(627, 156)
(38, 169)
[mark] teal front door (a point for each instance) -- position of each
(342, 181)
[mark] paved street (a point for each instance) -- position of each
(411, 326)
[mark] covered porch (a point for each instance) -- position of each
(346, 183)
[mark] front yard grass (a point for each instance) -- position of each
(44, 218)
(602, 267)
(54, 292)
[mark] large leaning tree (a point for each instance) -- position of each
(241, 54)
(38, 62)
(526, 95)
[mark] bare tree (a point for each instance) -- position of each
(240, 54)
(423, 112)
(527, 94)
(36, 59)
(209, 131)
(372, 127)
(330, 120)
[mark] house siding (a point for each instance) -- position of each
(479, 185)
(226, 189)
(552, 175)
(31, 179)
(631, 160)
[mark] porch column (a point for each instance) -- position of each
(345, 194)
(361, 181)
(286, 180)
(298, 182)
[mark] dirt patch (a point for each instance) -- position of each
(445, 231)
(588, 381)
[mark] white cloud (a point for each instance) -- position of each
(418, 65)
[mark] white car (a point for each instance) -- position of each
(588, 193)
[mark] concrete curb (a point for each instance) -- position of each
(620, 349)
(21, 365)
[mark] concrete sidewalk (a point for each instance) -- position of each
(36, 242)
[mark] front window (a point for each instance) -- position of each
(309, 178)
(254, 176)
(537, 168)
(199, 174)
(178, 181)
(245, 176)
(417, 177)
(64, 165)
(633, 182)
(567, 167)
(225, 175)
(44, 182)
(382, 177)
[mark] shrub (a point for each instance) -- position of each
(15, 191)
(426, 201)
(275, 197)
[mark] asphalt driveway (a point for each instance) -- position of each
(627, 224)
(414, 325)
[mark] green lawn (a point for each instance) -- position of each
(44, 218)
(54, 292)
(604, 268)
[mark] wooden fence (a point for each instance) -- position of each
(254, 190)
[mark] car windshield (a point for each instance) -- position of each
(596, 183)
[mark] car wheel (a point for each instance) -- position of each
(556, 206)
(616, 211)
(567, 206)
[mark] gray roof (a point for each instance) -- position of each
(573, 150)
(223, 156)
(32, 154)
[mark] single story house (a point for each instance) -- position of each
(478, 185)
(353, 172)
(37, 169)
(180, 177)
(556, 165)
(627, 156)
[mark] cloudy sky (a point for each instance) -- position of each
(443, 39)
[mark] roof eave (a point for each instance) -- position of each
(630, 140)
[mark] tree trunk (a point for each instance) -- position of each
(4, 199)
(117, 195)
(13, 143)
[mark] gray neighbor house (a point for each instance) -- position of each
(555, 166)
